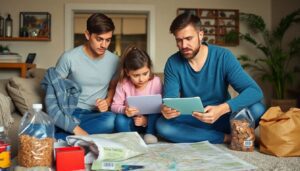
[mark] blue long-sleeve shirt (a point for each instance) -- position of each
(221, 69)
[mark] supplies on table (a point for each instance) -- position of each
(69, 158)
(279, 132)
(109, 147)
(242, 131)
(4, 150)
(10, 58)
(36, 138)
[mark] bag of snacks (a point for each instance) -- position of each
(242, 131)
(36, 138)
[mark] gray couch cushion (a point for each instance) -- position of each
(3, 91)
(13, 133)
(36, 73)
(24, 92)
(5, 113)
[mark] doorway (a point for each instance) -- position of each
(146, 10)
(129, 29)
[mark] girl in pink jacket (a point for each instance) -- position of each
(136, 79)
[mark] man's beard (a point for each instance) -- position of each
(193, 55)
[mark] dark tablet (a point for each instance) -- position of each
(30, 58)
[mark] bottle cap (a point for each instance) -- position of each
(37, 106)
(1, 129)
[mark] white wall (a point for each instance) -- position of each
(49, 52)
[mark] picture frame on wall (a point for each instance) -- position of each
(35, 24)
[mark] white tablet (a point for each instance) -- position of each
(149, 104)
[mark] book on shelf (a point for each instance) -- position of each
(10, 60)
(10, 57)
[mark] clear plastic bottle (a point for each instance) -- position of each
(36, 138)
(5, 146)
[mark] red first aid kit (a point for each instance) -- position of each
(69, 158)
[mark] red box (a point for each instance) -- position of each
(69, 158)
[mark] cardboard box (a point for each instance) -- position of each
(69, 158)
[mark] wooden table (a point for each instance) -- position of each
(23, 67)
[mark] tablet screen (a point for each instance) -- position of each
(186, 105)
(149, 104)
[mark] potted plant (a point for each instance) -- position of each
(4, 49)
(274, 66)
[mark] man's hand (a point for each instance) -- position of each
(131, 111)
(79, 131)
(140, 120)
(168, 112)
(102, 105)
(212, 113)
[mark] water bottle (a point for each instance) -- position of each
(5, 146)
(8, 26)
(36, 138)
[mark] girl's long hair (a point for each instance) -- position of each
(134, 58)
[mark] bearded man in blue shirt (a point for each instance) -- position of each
(203, 70)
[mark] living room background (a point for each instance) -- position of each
(49, 51)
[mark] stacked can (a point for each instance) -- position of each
(5, 160)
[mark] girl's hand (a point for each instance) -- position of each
(131, 111)
(140, 120)
(102, 105)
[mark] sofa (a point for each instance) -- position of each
(16, 96)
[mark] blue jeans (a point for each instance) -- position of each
(93, 122)
(126, 124)
(186, 128)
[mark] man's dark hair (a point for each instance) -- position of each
(183, 20)
(99, 23)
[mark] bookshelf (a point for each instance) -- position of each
(220, 26)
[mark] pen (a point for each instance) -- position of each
(131, 167)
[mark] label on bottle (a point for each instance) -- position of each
(4, 156)
(8, 31)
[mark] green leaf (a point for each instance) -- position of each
(285, 23)
(274, 66)
(254, 22)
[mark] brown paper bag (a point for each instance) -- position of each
(280, 132)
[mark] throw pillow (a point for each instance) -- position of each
(24, 92)
(3, 91)
(5, 113)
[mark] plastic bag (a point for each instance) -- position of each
(36, 138)
(109, 147)
(242, 131)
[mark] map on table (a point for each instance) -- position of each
(188, 156)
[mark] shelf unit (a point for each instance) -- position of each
(220, 26)
(25, 39)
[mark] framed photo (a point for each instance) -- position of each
(35, 24)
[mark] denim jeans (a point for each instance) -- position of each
(93, 122)
(186, 128)
(126, 124)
